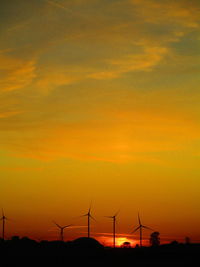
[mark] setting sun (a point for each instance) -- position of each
(107, 240)
(121, 240)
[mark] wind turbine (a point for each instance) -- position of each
(88, 214)
(3, 218)
(140, 228)
(114, 226)
(61, 230)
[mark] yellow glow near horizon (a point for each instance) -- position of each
(108, 241)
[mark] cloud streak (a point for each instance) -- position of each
(143, 62)
(16, 73)
(184, 13)
(68, 54)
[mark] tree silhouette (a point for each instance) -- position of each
(155, 239)
(126, 245)
(187, 240)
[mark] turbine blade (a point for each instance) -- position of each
(5, 218)
(135, 230)
(146, 227)
(57, 225)
(139, 219)
(116, 213)
(2, 213)
(93, 218)
(90, 207)
(84, 215)
(67, 226)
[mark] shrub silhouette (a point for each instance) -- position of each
(155, 239)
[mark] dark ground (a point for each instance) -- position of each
(27, 252)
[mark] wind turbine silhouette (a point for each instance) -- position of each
(3, 218)
(114, 226)
(61, 230)
(88, 214)
(140, 227)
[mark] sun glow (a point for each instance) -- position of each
(120, 240)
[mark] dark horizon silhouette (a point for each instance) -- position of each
(89, 216)
(23, 251)
(27, 252)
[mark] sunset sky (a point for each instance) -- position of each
(100, 103)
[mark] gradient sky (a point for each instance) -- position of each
(100, 102)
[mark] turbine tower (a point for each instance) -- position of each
(114, 226)
(3, 218)
(61, 230)
(140, 228)
(89, 216)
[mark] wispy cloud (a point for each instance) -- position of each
(50, 79)
(21, 169)
(15, 73)
(58, 5)
(182, 13)
(75, 53)
(142, 62)
(6, 114)
(120, 138)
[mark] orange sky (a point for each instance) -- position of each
(100, 102)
